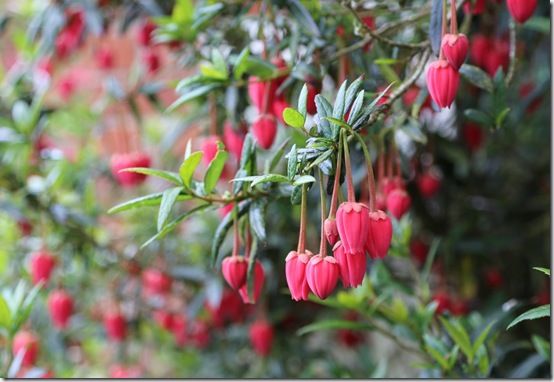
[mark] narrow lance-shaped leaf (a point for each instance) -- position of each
(241, 64)
(533, 314)
(168, 201)
(167, 175)
(356, 107)
(186, 171)
(256, 217)
(351, 93)
(213, 173)
(435, 26)
(292, 163)
(302, 100)
(333, 325)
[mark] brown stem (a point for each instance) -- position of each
(303, 217)
(453, 18)
(347, 165)
(372, 188)
(343, 63)
(336, 185)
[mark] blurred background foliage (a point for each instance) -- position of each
(83, 81)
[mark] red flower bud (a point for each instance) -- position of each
(27, 342)
(104, 58)
(442, 82)
(209, 148)
(476, 7)
(234, 271)
(521, 10)
(313, 90)
(163, 318)
(351, 266)
(261, 337)
(151, 61)
(42, 264)
(115, 326)
(233, 140)
(278, 106)
(156, 282)
(455, 47)
(398, 203)
(265, 130)
(322, 274)
(443, 302)
(331, 231)
(295, 272)
(256, 92)
(428, 183)
(124, 372)
(145, 32)
(419, 251)
(127, 160)
(259, 278)
(60, 305)
(479, 49)
(379, 235)
(473, 136)
(352, 224)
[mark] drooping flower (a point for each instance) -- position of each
(429, 183)
(265, 130)
(521, 10)
(233, 140)
(234, 270)
(156, 282)
(352, 266)
(261, 337)
(122, 161)
(331, 231)
(322, 274)
(398, 203)
(60, 306)
(42, 263)
(259, 278)
(379, 234)
(295, 272)
(115, 325)
(442, 82)
(28, 342)
(352, 224)
(455, 47)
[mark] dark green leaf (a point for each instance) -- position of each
(457, 332)
(256, 217)
(533, 314)
(190, 94)
(435, 26)
(356, 107)
(333, 325)
(278, 155)
(292, 163)
(214, 170)
(143, 201)
(477, 77)
(479, 117)
(303, 16)
(351, 93)
(169, 197)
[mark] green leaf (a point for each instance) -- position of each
(500, 117)
(351, 93)
(241, 64)
(539, 24)
(211, 71)
(250, 274)
(183, 11)
(324, 109)
(533, 314)
(482, 337)
(483, 361)
(278, 155)
(213, 173)
(171, 225)
(339, 122)
(222, 229)
(219, 62)
(477, 77)
(293, 118)
(542, 346)
(248, 150)
(460, 336)
(302, 101)
(333, 325)
(546, 271)
(5, 314)
(338, 107)
(441, 359)
(356, 107)
(167, 175)
(303, 180)
(292, 163)
(190, 94)
(143, 201)
(273, 178)
(304, 17)
(259, 68)
(479, 117)
(256, 217)
(169, 197)
(186, 171)
(435, 26)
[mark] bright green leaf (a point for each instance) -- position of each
(169, 197)
(213, 173)
(293, 118)
(186, 171)
(533, 314)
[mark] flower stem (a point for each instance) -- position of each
(323, 240)
(336, 184)
(236, 239)
(349, 183)
(453, 19)
(370, 175)
(303, 212)
(443, 32)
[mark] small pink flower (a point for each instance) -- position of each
(379, 235)
(265, 130)
(115, 325)
(234, 271)
(127, 160)
(429, 183)
(398, 203)
(352, 224)
(352, 266)
(322, 274)
(233, 140)
(455, 47)
(331, 231)
(521, 10)
(60, 306)
(442, 82)
(209, 148)
(261, 337)
(42, 265)
(295, 271)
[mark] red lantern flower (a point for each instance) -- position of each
(278, 106)
(428, 183)
(398, 203)
(331, 231)
(60, 305)
(156, 282)
(209, 148)
(259, 278)
(379, 234)
(27, 342)
(145, 32)
(351, 266)
(442, 82)
(313, 90)
(521, 10)
(233, 140)
(115, 325)
(265, 130)
(234, 270)
(295, 272)
(455, 47)
(261, 337)
(322, 274)
(42, 264)
(127, 160)
(352, 224)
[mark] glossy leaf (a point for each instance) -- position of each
(215, 168)
(186, 171)
(533, 314)
(169, 197)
